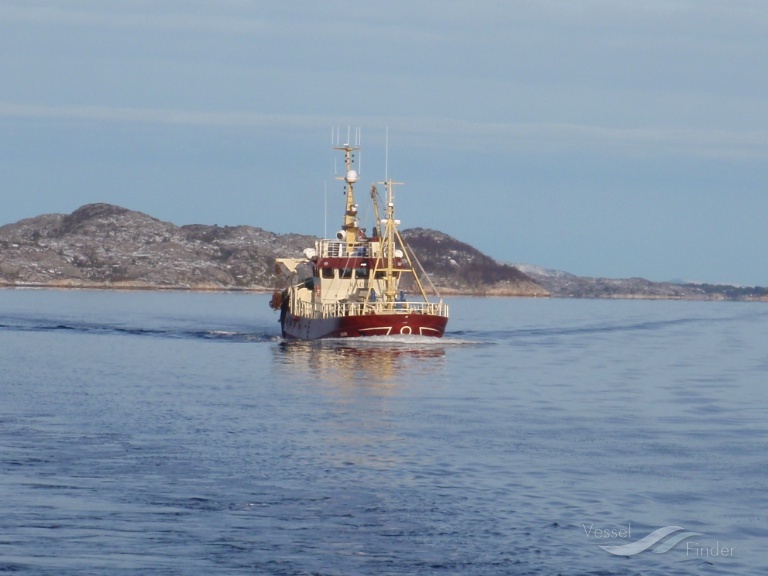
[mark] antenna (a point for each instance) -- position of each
(325, 209)
(358, 138)
(386, 153)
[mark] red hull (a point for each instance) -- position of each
(367, 325)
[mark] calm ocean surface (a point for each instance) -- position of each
(174, 433)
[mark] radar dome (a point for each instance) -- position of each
(352, 176)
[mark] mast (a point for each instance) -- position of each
(389, 234)
(390, 239)
(351, 226)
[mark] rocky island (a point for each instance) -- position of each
(107, 246)
(565, 285)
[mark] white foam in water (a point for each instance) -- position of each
(402, 340)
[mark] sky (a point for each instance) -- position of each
(607, 138)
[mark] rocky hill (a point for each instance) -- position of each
(459, 268)
(106, 246)
(565, 285)
(101, 245)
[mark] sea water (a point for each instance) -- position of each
(176, 433)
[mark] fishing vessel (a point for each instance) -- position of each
(358, 284)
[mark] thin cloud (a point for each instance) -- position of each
(144, 115)
(521, 137)
(548, 137)
(148, 16)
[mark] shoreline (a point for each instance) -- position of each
(490, 293)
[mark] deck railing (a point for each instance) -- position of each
(334, 249)
(350, 308)
(336, 309)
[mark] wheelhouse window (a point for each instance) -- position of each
(328, 273)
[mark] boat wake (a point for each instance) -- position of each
(258, 334)
(26, 325)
